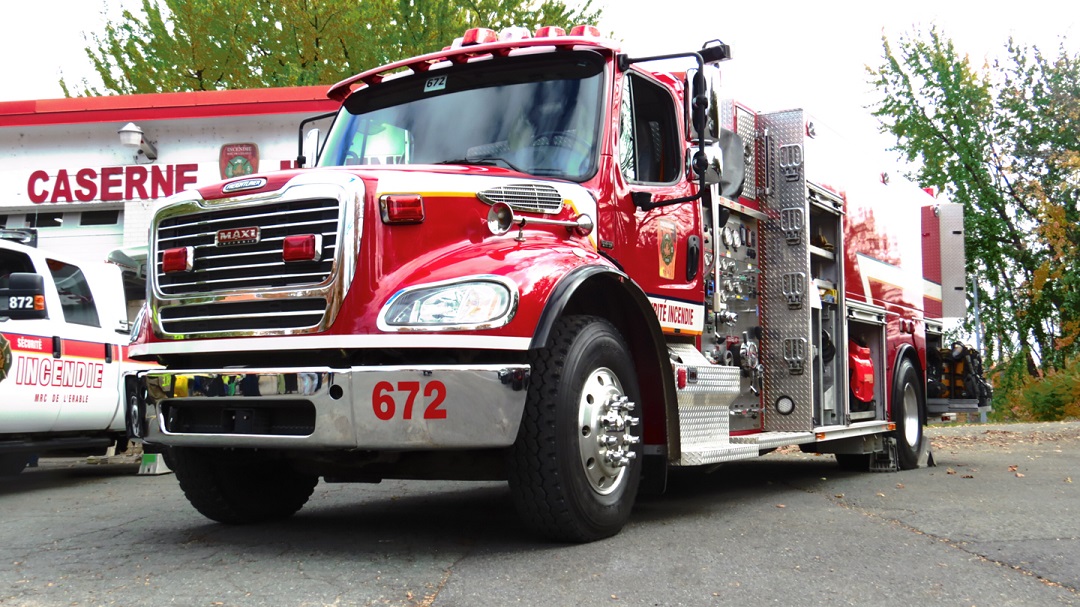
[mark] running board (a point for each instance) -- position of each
(771, 440)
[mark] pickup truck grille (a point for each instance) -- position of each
(242, 267)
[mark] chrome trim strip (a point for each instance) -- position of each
(215, 245)
(232, 316)
(321, 342)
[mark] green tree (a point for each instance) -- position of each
(1002, 138)
(199, 45)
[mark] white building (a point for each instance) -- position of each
(67, 174)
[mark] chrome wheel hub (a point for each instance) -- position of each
(911, 416)
(605, 442)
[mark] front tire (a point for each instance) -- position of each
(576, 465)
(238, 487)
(909, 413)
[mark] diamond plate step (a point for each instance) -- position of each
(769, 440)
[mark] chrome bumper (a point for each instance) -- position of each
(399, 407)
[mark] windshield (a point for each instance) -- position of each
(535, 115)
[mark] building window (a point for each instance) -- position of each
(99, 218)
(44, 220)
(75, 297)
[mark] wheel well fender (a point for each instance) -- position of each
(606, 292)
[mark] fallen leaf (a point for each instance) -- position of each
(950, 471)
(899, 485)
(839, 496)
(614, 598)
(781, 506)
(408, 594)
(967, 476)
(1013, 468)
(1068, 479)
(1019, 475)
(881, 495)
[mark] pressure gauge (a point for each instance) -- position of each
(737, 238)
(727, 237)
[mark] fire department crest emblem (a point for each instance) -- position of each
(238, 159)
(5, 357)
(666, 236)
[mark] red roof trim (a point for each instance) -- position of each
(166, 106)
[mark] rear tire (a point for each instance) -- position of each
(240, 487)
(909, 413)
(576, 465)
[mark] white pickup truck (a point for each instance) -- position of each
(63, 345)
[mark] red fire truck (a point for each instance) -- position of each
(529, 257)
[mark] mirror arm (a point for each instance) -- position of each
(300, 158)
(623, 62)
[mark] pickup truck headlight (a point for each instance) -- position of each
(481, 302)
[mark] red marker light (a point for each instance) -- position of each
(680, 377)
(402, 208)
(180, 259)
(550, 31)
(303, 247)
(590, 31)
(479, 35)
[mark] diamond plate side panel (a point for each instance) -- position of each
(744, 123)
(704, 416)
(953, 277)
(718, 454)
(715, 385)
(784, 174)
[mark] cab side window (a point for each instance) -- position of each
(11, 262)
(648, 133)
(76, 300)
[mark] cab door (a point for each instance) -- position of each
(661, 248)
(86, 378)
(26, 406)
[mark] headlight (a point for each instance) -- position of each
(474, 303)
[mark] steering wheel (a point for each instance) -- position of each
(566, 140)
(562, 139)
(351, 156)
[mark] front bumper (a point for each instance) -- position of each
(369, 408)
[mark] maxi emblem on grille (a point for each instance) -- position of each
(235, 236)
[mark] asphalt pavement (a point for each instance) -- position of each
(996, 522)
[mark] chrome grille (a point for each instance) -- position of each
(253, 315)
(259, 265)
(525, 197)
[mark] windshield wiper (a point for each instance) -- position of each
(484, 161)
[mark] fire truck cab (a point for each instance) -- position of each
(529, 257)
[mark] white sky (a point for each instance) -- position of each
(787, 53)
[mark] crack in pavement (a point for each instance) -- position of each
(956, 544)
